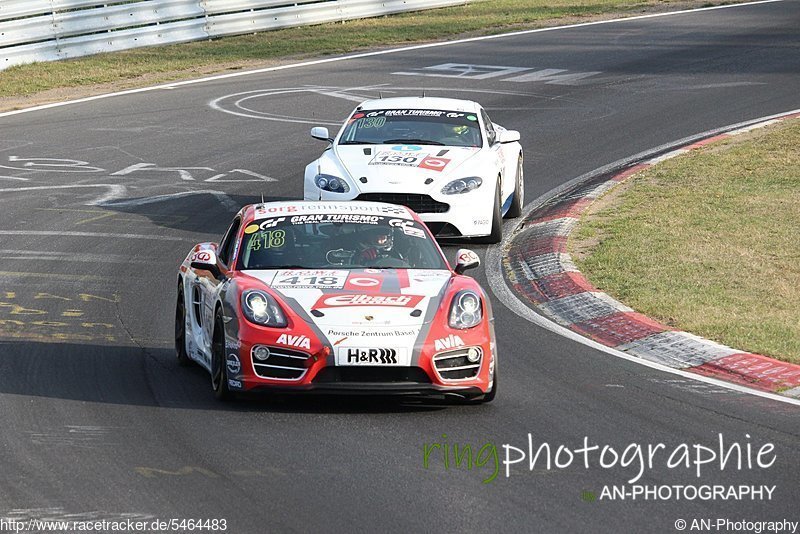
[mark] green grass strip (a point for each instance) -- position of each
(709, 242)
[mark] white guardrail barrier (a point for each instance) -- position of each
(48, 30)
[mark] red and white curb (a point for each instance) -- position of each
(541, 271)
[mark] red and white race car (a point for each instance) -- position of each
(335, 297)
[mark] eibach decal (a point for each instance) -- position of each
(357, 300)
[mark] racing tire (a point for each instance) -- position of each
(219, 371)
(497, 221)
(180, 329)
(515, 210)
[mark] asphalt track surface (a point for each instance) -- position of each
(100, 422)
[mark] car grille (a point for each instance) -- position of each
(282, 364)
(443, 229)
(329, 375)
(418, 203)
(454, 365)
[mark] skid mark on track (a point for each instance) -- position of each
(189, 470)
(80, 436)
(223, 199)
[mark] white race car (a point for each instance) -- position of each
(443, 158)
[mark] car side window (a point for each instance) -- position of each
(491, 133)
(225, 250)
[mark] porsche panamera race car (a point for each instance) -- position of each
(443, 158)
(333, 297)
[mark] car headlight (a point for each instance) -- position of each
(261, 309)
(466, 310)
(334, 184)
(463, 185)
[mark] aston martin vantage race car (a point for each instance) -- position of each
(333, 297)
(441, 157)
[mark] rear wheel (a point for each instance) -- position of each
(515, 210)
(219, 373)
(180, 328)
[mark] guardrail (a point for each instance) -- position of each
(48, 30)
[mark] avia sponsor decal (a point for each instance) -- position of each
(449, 342)
(347, 301)
(370, 356)
(289, 340)
(233, 364)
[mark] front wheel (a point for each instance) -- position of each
(219, 372)
(497, 221)
(515, 210)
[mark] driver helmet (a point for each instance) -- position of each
(380, 239)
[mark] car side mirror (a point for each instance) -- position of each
(508, 136)
(206, 260)
(465, 260)
(321, 133)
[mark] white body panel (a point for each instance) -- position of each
(424, 169)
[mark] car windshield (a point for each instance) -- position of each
(412, 127)
(338, 240)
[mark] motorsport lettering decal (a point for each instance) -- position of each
(328, 208)
(370, 356)
(337, 218)
(410, 159)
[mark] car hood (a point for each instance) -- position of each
(398, 166)
(364, 298)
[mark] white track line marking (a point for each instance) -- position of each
(172, 85)
(510, 300)
(114, 192)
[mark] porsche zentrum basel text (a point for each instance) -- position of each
(443, 158)
(333, 297)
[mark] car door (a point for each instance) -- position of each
(211, 286)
